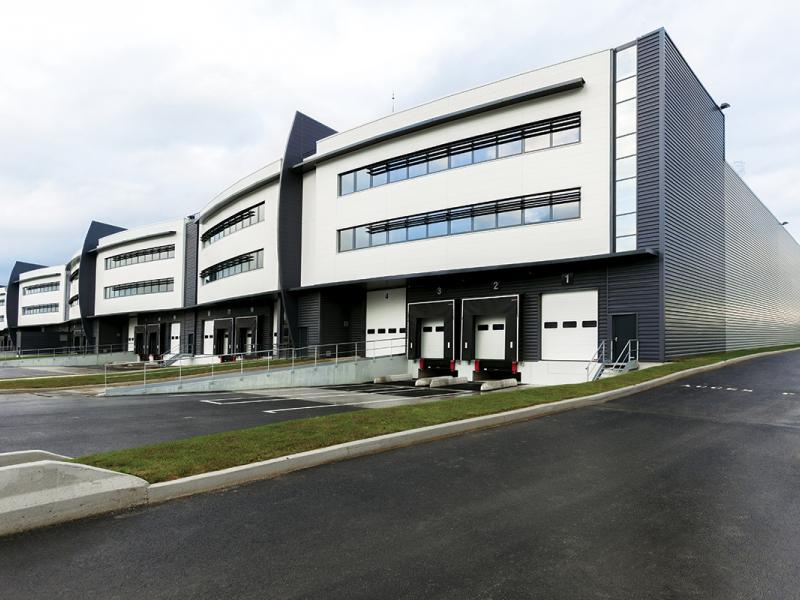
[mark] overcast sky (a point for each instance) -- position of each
(135, 112)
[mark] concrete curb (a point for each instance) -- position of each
(47, 492)
(217, 480)
(28, 456)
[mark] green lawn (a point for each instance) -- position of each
(135, 375)
(181, 458)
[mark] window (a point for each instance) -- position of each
(625, 152)
(402, 330)
(240, 220)
(74, 275)
(483, 328)
(427, 329)
(536, 208)
(392, 329)
(233, 266)
(498, 327)
(140, 288)
(589, 324)
(557, 131)
(39, 309)
(140, 256)
(370, 331)
(569, 324)
(383, 330)
(551, 325)
(41, 288)
(73, 300)
(440, 328)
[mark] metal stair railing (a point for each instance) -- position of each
(598, 359)
(628, 359)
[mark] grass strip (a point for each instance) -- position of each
(201, 454)
(136, 376)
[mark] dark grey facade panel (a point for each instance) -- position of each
(302, 142)
(762, 272)
(649, 92)
(309, 318)
(191, 240)
(693, 212)
(622, 288)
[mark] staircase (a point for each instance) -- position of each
(627, 360)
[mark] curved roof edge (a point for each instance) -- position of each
(263, 176)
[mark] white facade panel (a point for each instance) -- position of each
(260, 236)
(569, 325)
(37, 277)
(3, 317)
(142, 238)
(584, 165)
(386, 318)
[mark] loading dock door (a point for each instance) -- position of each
(386, 321)
(208, 337)
(490, 338)
(569, 325)
(432, 338)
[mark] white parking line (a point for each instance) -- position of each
(224, 401)
(277, 410)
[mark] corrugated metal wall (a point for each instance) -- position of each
(762, 272)
(694, 244)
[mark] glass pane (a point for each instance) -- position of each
(347, 183)
(345, 240)
(398, 174)
(509, 148)
(363, 180)
(437, 164)
(626, 62)
(625, 244)
(461, 159)
(626, 167)
(538, 142)
(626, 117)
(397, 235)
(626, 224)
(626, 146)
(482, 222)
(418, 169)
(626, 89)
(570, 136)
(570, 210)
(380, 178)
(417, 232)
(378, 238)
(484, 154)
(437, 229)
(626, 196)
(362, 237)
(509, 218)
(461, 225)
(537, 214)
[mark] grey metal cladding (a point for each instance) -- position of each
(649, 96)
(191, 240)
(302, 142)
(762, 272)
(309, 310)
(623, 287)
(693, 212)
(86, 281)
(12, 294)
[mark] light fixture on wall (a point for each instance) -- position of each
(724, 105)
(785, 223)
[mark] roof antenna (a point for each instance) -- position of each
(392, 101)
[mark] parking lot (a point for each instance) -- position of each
(76, 424)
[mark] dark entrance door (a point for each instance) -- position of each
(623, 329)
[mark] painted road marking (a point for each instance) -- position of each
(277, 410)
(243, 401)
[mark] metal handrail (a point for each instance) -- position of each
(598, 357)
(317, 353)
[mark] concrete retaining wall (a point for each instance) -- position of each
(361, 371)
(71, 360)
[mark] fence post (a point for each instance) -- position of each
(212, 368)
(355, 354)
(292, 359)
(316, 353)
(336, 355)
(241, 365)
(145, 377)
(180, 373)
(105, 378)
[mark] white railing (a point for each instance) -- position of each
(598, 360)
(265, 360)
(62, 351)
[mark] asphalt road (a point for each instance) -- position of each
(680, 492)
(75, 424)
